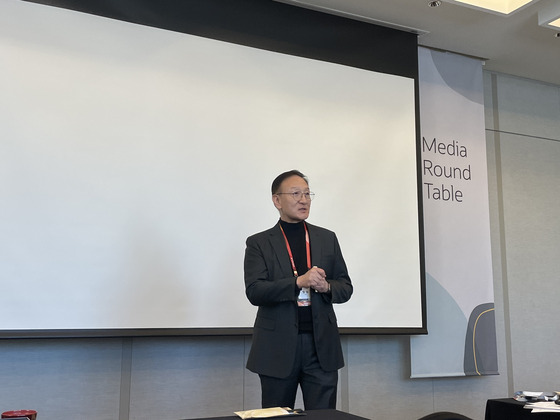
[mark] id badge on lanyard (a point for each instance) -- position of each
(304, 298)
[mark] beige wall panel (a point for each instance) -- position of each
(186, 377)
(527, 107)
(379, 379)
(531, 191)
(61, 379)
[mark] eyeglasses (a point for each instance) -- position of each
(297, 195)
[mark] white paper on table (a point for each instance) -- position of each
(263, 413)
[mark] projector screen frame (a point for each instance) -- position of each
(264, 24)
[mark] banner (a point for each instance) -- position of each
(461, 336)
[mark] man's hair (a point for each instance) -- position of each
(280, 178)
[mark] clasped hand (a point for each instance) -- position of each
(315, 279)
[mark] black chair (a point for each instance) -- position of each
(445, 415)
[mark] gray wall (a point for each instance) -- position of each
(189, 377)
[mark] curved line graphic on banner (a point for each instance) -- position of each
(480, 342)
(474, 339)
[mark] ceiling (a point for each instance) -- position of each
(514, 44)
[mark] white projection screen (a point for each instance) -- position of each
(135, 161)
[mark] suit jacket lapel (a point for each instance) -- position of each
(316, 245)
(281, 252)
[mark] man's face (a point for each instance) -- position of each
(291, 210)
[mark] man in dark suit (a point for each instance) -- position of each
(294, 272)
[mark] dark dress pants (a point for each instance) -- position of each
(317, 386)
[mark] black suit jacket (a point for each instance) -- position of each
(270, 284)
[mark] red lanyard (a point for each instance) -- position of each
(307, 249)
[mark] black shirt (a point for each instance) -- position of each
(295, 233)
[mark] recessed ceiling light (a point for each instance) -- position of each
(496, 6)
(434, 3)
